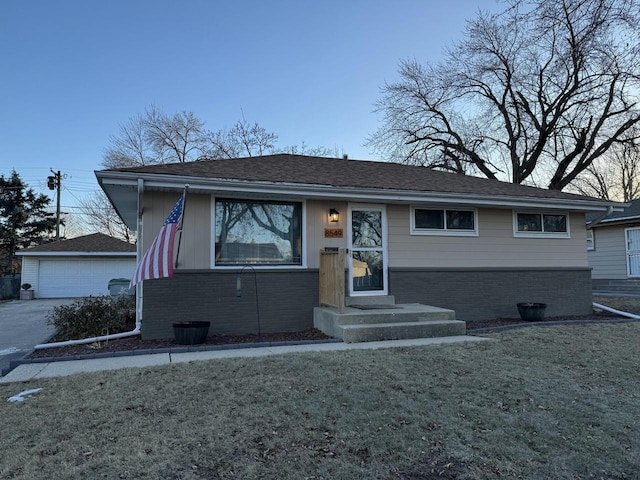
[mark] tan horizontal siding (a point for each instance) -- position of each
(195, 246)
(495, 246)
(317, 221)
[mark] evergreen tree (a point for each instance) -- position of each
(23, 220)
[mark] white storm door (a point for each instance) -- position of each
(367, 244)
(633, 251)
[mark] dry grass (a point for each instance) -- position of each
(542, 402)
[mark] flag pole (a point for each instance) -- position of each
(184, 204)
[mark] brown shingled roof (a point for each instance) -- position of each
(96, 242)
(337, 172)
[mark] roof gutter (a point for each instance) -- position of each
(348, 193)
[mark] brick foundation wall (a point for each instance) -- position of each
(481, 294)
(286, 299)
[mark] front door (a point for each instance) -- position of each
(367, 244)
(633, 251)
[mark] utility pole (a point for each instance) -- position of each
(55, 182)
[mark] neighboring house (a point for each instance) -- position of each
(613, 245)
(77, 267)
(473, 245)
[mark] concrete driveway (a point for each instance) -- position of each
(23, 324)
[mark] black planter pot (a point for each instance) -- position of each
(191, 333)
(531, 312)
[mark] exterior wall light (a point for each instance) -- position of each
(334, 215)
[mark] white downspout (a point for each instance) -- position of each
(102, 338)
(601, 217)
(617, 312)
(136, 330)
(139, 253)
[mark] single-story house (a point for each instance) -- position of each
(77, 267)
(473, 245)
(613, 245)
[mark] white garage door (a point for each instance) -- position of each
(64, 278)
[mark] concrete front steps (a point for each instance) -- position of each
(379, 318)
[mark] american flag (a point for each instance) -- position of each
(158, 261)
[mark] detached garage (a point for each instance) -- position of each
(78, 267)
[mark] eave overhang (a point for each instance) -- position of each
(122, 190)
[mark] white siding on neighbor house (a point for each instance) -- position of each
(609, 258)
(66, 277)
(495, 245)
(29, 272)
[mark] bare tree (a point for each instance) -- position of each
(177, 138)
(615, 176)
(242, 140)
(534, 94)
(130, 146)
(156, 137)
(100, 216)
(319, 151)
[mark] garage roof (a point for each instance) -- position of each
(96, 244)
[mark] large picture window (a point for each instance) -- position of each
(257, 233)
(450, 221)
(547, 224)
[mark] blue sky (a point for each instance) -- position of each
(309, 71)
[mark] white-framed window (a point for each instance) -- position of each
(591, 239)
(257, 233)
(444, 221)
(541, 224)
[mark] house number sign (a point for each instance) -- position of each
(332, 233)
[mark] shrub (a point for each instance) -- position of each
(91, 317)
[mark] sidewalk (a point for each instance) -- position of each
(31, 371)
(23, 324)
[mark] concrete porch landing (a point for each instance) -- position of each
(402, 321)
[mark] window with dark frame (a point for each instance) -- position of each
(428, 219)
(257, 233)
(541, 223)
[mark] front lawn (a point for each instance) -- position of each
(539, 402)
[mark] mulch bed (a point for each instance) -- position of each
(135, 343)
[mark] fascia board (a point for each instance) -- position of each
(352, 193)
